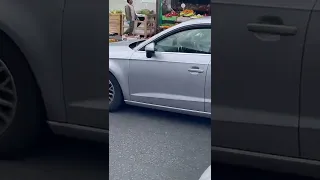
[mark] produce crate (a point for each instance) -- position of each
(147, 28)
(113, 40)
(172, 18)
(116, 23)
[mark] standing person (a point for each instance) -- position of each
(166, 7)
(131, 16)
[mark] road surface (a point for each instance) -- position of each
(60, 159)
(161, 145)
(153, 145)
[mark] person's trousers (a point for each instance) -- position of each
(130, 29)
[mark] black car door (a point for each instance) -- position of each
(310, 91)
(257, 48)
(85, 62)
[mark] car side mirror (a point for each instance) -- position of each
(150, 50)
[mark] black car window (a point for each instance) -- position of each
(188, 41)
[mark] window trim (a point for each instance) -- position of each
(178, 30)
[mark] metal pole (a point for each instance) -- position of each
(159, 14)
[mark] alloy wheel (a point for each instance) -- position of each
(111, 92)
(8, 97)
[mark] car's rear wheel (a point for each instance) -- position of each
(22, 115)
(115, 94)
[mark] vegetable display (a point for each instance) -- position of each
(196, 16)
(112, 40)
(116, 12)
(172, 13)
(145, 12)
(187, 13)
(166, 26)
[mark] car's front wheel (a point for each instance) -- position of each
(115, 94)
(22, 112)
(21, 107)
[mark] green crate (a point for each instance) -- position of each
(173, 18)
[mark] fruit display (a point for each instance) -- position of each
(166, 26)
(116, 12)
(196, 16)
(183, 12)
(112, 40)
(145, 12)
(187, 13)
(172, 13)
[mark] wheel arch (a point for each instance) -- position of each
(35, 27)
(5, 40)
(122, 80)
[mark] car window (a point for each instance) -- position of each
(189, 41)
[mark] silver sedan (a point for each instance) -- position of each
(170, 71)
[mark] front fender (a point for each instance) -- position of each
(35, 27)
(120, 70)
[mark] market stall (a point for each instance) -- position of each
(172, 12)
(168, 13)
(116, 19)
(144, 26)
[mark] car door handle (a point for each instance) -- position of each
(195, 70)
(272, 29)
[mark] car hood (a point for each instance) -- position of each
(207, 174)
(121, 49)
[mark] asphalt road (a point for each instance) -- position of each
(60, 159)
(140, 151)
(153, 145)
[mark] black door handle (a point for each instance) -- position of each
(282, 30)
(195, 69)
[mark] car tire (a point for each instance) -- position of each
(117, 97)
(23, 115)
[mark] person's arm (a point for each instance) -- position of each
(136, 15)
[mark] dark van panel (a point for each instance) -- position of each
(256, 76)
(310, 91)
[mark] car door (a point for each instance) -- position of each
(85, 62)
(310, 96)
(175, 76)
(257, 50)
